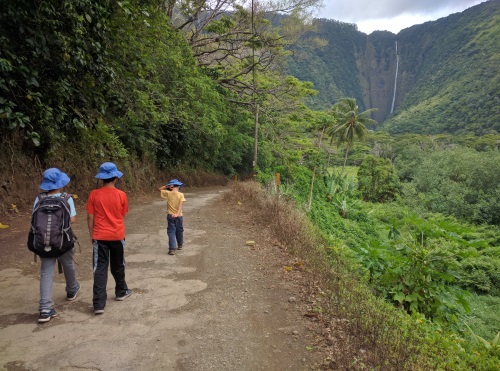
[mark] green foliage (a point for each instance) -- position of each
(342, 193)
(378, 181)
(483, 318)
(460, 182)
(493, 344)
(416, 263)
(53, 67)
(482, 273)
(329, 67)
(420, 263)
(119, 65)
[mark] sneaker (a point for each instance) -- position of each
(171, 252)
(127, 294)
(179, 247)
(46, 316)
(72, 295)
(98, 311)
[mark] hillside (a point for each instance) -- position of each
(447, 75)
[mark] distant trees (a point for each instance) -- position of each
(461, 182)
(377, 179)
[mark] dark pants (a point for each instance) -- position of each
(108, 253)
(175, 232)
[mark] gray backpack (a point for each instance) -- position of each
(51, 234)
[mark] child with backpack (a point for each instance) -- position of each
(175, 227)
(52, 238)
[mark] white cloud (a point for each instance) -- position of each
(391, 15)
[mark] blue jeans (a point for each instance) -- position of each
(175, 232)
(47, 278)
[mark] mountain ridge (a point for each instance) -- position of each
(447, 79)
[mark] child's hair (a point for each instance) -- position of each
(109, 180)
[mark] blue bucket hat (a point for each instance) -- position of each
(53, 179)
(108, 170)
(175, 182)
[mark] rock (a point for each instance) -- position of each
(292, 299)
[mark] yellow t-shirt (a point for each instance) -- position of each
(174, 200)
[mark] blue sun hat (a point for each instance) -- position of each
(53, 178)
(175, 182)
(108, 170)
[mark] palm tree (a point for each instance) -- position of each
(350, 124)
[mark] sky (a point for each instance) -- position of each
(391, 15)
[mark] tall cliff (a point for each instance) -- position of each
(447, 72)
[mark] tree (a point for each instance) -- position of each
(233, 40)
(351, 123)
(377, 179)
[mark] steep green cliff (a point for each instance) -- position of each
(447, 75)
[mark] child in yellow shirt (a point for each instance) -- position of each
(175, 200)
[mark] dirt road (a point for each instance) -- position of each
(217, 305)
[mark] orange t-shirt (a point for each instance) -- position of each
(108, 205)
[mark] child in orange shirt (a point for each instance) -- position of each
(106, 210)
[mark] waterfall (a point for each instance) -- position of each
(395, 79)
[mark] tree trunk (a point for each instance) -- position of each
(321, 137)
(309, 203)
(256, 136)
(345, 160)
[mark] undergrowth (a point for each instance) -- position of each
(368, 333)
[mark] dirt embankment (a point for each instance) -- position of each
(217, 305)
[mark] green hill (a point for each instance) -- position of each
(447, 80)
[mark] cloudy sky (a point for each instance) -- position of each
(391, 15)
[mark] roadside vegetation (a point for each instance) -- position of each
(411, 292)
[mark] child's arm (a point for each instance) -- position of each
(72, 210)
(90, 225)
(164, 188)
(179, 210)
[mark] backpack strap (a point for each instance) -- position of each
(40, 197)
